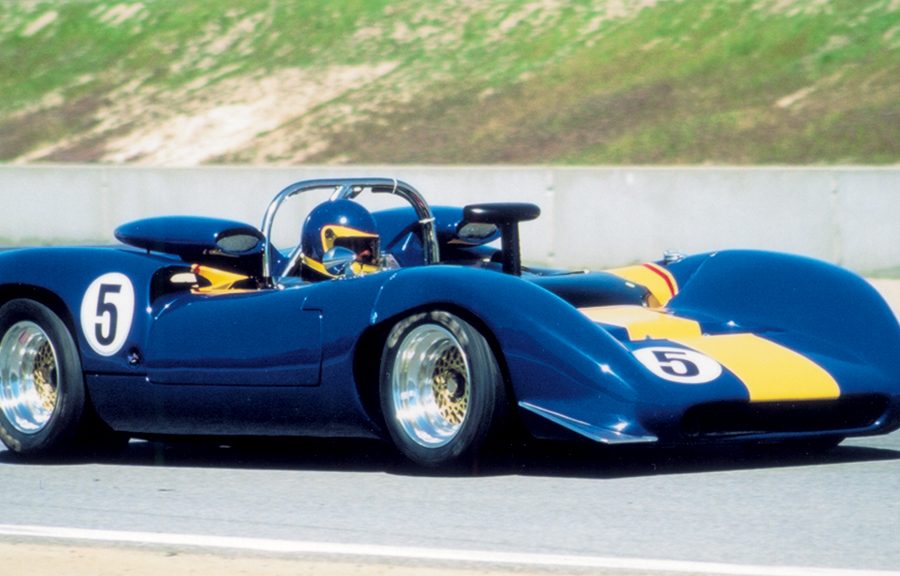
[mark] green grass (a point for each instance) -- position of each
(680, 82)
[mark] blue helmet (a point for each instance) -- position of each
(339, 224)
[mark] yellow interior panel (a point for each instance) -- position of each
(219, 280)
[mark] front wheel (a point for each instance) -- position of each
(42, 396)
(442, 394)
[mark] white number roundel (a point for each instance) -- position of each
(679, 364)
(107, 310)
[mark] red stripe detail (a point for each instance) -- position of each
(663, 275)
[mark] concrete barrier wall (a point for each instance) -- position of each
(591, 217)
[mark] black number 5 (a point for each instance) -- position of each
(104, 307)
(673, 363)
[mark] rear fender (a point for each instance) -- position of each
(61, 276)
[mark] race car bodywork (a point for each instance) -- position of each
(199, 326)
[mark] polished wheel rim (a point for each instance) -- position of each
(430, 386)
(29, 377)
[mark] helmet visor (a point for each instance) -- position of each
(366, 249)
(366, 246)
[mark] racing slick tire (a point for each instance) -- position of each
(441, 390)
(43, 405)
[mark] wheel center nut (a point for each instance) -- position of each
(457, 387)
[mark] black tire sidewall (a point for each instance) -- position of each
(62, 427)
(486, 394)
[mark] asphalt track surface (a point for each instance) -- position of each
(351, 507)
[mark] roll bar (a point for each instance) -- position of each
(349, 188)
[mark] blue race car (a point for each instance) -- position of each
(412, 325)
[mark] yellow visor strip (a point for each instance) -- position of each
(333, 231)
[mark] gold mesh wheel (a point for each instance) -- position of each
(45, 376)
(29, 377)
(441, 390)
(451, 390)
(430, 385)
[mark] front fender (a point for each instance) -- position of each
(560, 364)
(795, 296)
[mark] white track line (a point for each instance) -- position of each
(424, 554)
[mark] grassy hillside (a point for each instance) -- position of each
(457, 81)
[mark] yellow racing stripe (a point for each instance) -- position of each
(656, 279)
(769, 371)
(643, 322)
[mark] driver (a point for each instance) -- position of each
(334, 225)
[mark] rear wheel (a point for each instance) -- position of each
(442, 394)
(42, 396)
